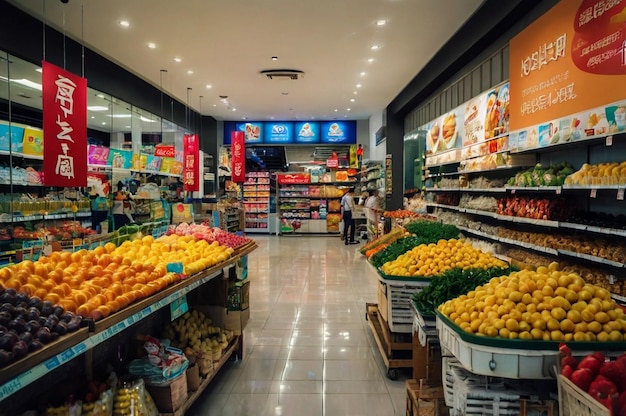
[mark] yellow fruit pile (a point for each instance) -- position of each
(435, 259)
(546, 304)
(599, 174)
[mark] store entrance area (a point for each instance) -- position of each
(309, 350)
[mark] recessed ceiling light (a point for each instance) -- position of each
(92, 117)
(370, 60)
(127, 127)
(348, 109)
(352, 100)
(177, 59)
(345, 116)
(271, 117)
(274, 58)
(375, 47)
(381, 22)
(104, 123)
(336, 110)
(124, 23)
(355, 92)
(209, 86)
(234, 109)
(243, 118)
(152, 45)
(214, 105)
(359, 85)
(363, 74)
(190, 72)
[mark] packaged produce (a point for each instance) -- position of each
(536, 208)
(428, 260)
(132, 399)
(546, 304)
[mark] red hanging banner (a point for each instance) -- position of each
(238, 151)
(65, 127)
(191, 173)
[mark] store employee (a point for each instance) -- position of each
(347, 208)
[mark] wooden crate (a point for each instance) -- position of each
(426, 361)
(424, 400)
(543, 408)
(573, 401)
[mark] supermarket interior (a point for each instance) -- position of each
(407, 208)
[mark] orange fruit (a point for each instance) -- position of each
(80, 297)
(41, 293)
(55, 276)
(68, 305)
(52, 297)
(104, 310)
(109, 247)
(98, 251)
(29, 289)
(110, 295)
(83, 310)
(114, 306)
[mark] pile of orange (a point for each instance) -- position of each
(95, 283)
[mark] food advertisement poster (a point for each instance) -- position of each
(293, 178)
(120, 159)
(278, 133)
(307, 132)
(338, 132)
(567, 71)
(445, 132)
(64, 99)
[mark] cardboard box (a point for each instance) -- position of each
(169, 397)
(214, 292)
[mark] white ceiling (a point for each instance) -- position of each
(227, 42)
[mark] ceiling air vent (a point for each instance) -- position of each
(293, 74)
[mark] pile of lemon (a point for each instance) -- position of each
(430, 260)
(546, 304)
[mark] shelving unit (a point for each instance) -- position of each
(36, 365)
(256, 200)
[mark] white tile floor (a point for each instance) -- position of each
(308, 349)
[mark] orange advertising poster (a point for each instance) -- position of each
(568, 72)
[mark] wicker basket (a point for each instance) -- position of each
(573, 401)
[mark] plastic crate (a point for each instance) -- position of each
(573, 401)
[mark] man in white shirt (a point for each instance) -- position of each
(372, 206)
(347, 208)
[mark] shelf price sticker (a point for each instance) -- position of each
(620, 194)
(593, 193)
(179, 307)
(558, 190)
(609, 140)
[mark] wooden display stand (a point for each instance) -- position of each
(394, 348)
(427, 361)
(424, 400)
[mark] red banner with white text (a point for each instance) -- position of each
(238, 151)
(65, 127)
(191, 172)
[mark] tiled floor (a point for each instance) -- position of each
(308, 349)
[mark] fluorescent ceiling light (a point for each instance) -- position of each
(381, 22)
(120, 116)
(28, 83)
(97, 108)
(374, 47)
(147, 120)
(124, 23)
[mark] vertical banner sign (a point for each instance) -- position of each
(65, 127)
(239, 156)
(191, 172)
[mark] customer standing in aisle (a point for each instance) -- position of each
(372, 206)
(347, 208)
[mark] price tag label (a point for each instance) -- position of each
(558, 190)
(611, 279)
(620, 194)
(179, 307)
(609, 140)
(593, 193)
(512, 191)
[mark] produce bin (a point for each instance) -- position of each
(169, 397)
(573, 401)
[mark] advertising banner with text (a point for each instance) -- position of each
(238, 156)
(191, 167)
(65, 127)
(567, 72)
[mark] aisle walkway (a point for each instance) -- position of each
(308, 349)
